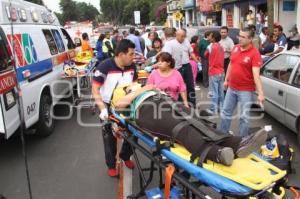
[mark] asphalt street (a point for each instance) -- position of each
(70, 162)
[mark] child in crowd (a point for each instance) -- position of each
(215, 56)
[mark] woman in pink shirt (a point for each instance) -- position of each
(168, 79)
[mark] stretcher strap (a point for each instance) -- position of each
(202, 154)
(210, 135)
(168, 179)
(177, 129)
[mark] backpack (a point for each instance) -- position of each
(278, 152)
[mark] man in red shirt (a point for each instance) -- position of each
(215, 55)
(242, 79)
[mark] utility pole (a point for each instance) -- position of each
(195, 12)
(270, 15)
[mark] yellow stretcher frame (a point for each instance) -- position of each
(251, 171)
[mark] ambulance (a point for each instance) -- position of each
(34, 44)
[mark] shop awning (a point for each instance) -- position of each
(188, 4)
(229, 3)
(258, 2)
(205, 5)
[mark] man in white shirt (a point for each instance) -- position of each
(263, 35)
(181, 50)
(227, 43)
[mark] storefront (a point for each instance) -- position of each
(210, 12)
(285, 13)
(172, 8)
(228, 15)
(234, 13)
(190, 15)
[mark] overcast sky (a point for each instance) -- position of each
(54, 4)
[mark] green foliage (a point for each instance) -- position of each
(73, 11)
(122, 11)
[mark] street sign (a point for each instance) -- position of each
(137, 17)
(178, 16)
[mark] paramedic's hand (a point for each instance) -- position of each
(103, 114)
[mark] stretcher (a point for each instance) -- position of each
(249, 177)
(81, 72)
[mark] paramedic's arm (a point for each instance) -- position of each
(258, 84)
(184, 99)
(125, 101)
(227, 76)
(97, 96)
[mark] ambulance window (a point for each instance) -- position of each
(58, 40)
(67, 37)
(5, 61)
(50, 41)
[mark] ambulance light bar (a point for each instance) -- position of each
(14, 14)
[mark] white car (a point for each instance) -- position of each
(281, 83)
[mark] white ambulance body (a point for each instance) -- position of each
(41, 46)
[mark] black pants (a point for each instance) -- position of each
(157, 117)
(187, 75)
(226, 63)
(204, 63)
(110, 147)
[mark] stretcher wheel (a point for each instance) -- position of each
(93, 110)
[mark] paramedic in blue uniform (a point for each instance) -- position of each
(110, 73)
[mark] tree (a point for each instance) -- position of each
(69, 10)
(73, 11)
(122, 11)
(86, 11)
(112, 10)
(59, 17)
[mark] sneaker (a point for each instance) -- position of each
(225, 156)
(129, 164)
(251, 143)
(113, 172)
(207, 112)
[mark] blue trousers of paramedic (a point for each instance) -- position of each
(110, 147)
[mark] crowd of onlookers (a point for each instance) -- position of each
(230, 72)
(212, 54)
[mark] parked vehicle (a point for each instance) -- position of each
(40, 45)
(281, 83)
(200, 30)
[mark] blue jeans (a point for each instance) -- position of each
(216, 90)
(232, 98)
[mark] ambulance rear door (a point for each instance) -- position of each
(9, 115)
